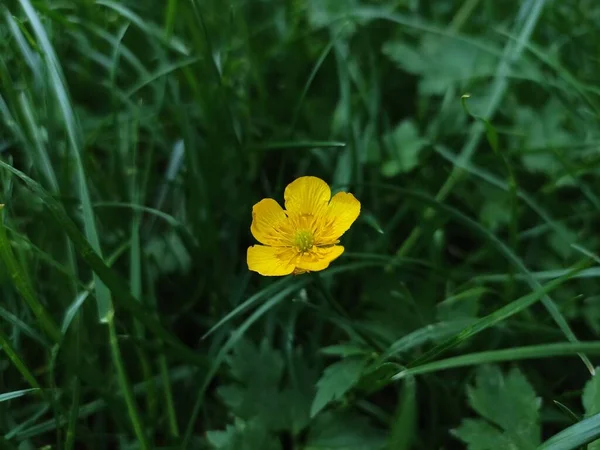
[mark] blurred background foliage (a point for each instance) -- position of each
(468, 129)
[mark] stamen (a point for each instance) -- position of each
(303, 240)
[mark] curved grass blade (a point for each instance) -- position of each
(23, 285)
(58, 85)
(584, 432)
(527, 18)
(548, 303)
(149, 28)
(117, 286)
(16, 394)
(226, 348)
(73, 413)
(244, 306)
(292, 145)
(18, 362)
(26, 329)
(402, 433)
(510, 354)
(28, 431)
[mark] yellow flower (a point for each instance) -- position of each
(303, 237)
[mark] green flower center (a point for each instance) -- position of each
(303, 240)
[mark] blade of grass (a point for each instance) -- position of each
(510, 354)
(512, 52)
(60, 90)
(293, 145)
(135, 272)
(24, 287)
(149, 28)
(496, 317)
(278, 285)
(73, 414)
(228, 346)
(126, 388)
(404, 426)
(88, 410)
(16, 394)
(584, 432)
(22, 326)
(548, 303)
(105, 273)
(18, 362)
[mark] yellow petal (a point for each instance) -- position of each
(341, 213)
(306, 195)
(271, 261)
(269, 223)
(318, 258)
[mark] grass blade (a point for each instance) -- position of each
(105, 273)
(588, 430)
(497, 316)
(18, 362)
(24, 287)
(510, 354)
(60, 91)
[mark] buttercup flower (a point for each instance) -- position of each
(303, 237)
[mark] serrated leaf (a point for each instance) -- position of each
(508, 402)
(480, 435)
(242, 435)
(591, 402)
(260, 365)
(257, 394)
(337, 379)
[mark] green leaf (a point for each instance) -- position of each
(509, 403)
(337, 379)
(243, 436)
(591, 403)
(258, 365)
(343, 432)
(480, 435)
(259, 371)
(543, 131)
(258, 394)
(442, 62)
(404, 144)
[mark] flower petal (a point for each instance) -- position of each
(271, 261)
(269, 223)
(318, 258)
(306, 195)
(343, 210)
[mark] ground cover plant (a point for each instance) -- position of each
(136, 138)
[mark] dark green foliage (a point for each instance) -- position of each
(135, 137)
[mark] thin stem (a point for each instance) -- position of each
(125, 386)
(342, 311)
(166, 383)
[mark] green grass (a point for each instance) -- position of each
(135, 137)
